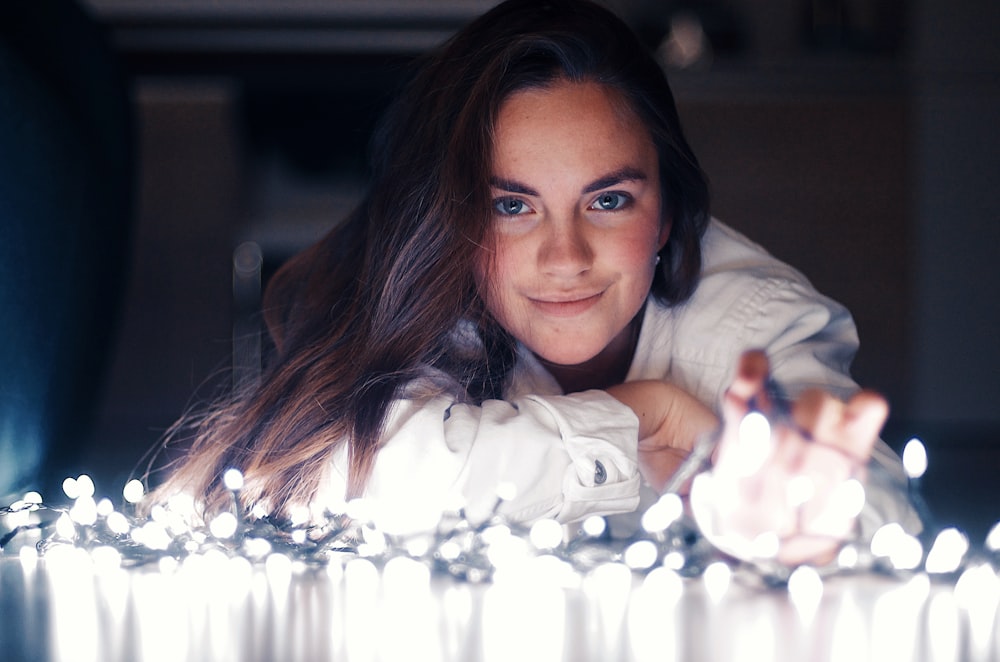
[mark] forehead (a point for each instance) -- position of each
(570, 119)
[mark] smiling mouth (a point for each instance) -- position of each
(567, 308)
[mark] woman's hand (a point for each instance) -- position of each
(783, 485)
(670, 422)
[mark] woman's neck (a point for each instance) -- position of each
(608, 368)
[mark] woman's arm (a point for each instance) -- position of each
(670, 423)
(559, 456)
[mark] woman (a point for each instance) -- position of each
(532, 295)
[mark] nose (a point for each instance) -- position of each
(566, 250)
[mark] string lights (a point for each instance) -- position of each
(477, 552)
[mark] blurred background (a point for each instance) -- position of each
(855, 139)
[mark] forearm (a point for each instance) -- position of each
(670, 422)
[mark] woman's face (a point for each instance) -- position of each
(576, 219)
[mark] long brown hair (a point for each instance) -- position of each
(376, 303)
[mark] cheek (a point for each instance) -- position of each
(491, 276)
(637, 252)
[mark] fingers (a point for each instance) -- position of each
(853, 427)
(864, 416)
(817, 413)
(751, 375)
(748, 385)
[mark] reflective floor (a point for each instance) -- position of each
(77, 606)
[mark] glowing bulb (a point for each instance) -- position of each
(805, 588)
(181, 503)
(977, 588)
(546, 534)
(907, 556)
(152, 535)
(641, 555)
(105, 507)
(848, 499)
(33, 498)
(85, 485)
(223, 525)
(665, 582)
(133, 491)
(594, 526)
(667, 510)
(449, 550)
(404, 577)
(892, 542)
(65, 527)
(716, 580)
(298, 514)
(418, 546)
(167, 565)
(993, 538)
(84, 510)
(914, 458)
(495, 533)
(233, 480)
(257, 547)
(374, 542)
(117, 523)
(848, 557)
(507, 491)
(28, 556)
(674, 560)
(278, 567)
(754, 444)
(20, 515)
(947, 552)
(70, 488)
(885, 539)
(508, 552)
(765, 546)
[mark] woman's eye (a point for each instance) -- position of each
(510, 206)
(610, 201)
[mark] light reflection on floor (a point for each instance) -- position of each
(69, 606)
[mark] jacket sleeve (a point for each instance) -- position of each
(747, 299)
(564, 456)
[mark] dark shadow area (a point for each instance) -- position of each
(66, 195)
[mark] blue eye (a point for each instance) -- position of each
(610, 201)
(509, 206)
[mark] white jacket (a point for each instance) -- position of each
(543, 446)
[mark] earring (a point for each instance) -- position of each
(656, 261)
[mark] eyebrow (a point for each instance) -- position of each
(625, 174)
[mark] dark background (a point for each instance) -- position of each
(855, 139)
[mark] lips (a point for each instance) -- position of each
(566, 307)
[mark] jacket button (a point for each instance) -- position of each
(600, 473)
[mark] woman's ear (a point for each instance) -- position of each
(665, 228)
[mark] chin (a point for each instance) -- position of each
(564, 358)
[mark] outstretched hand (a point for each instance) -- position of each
(785, 482)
